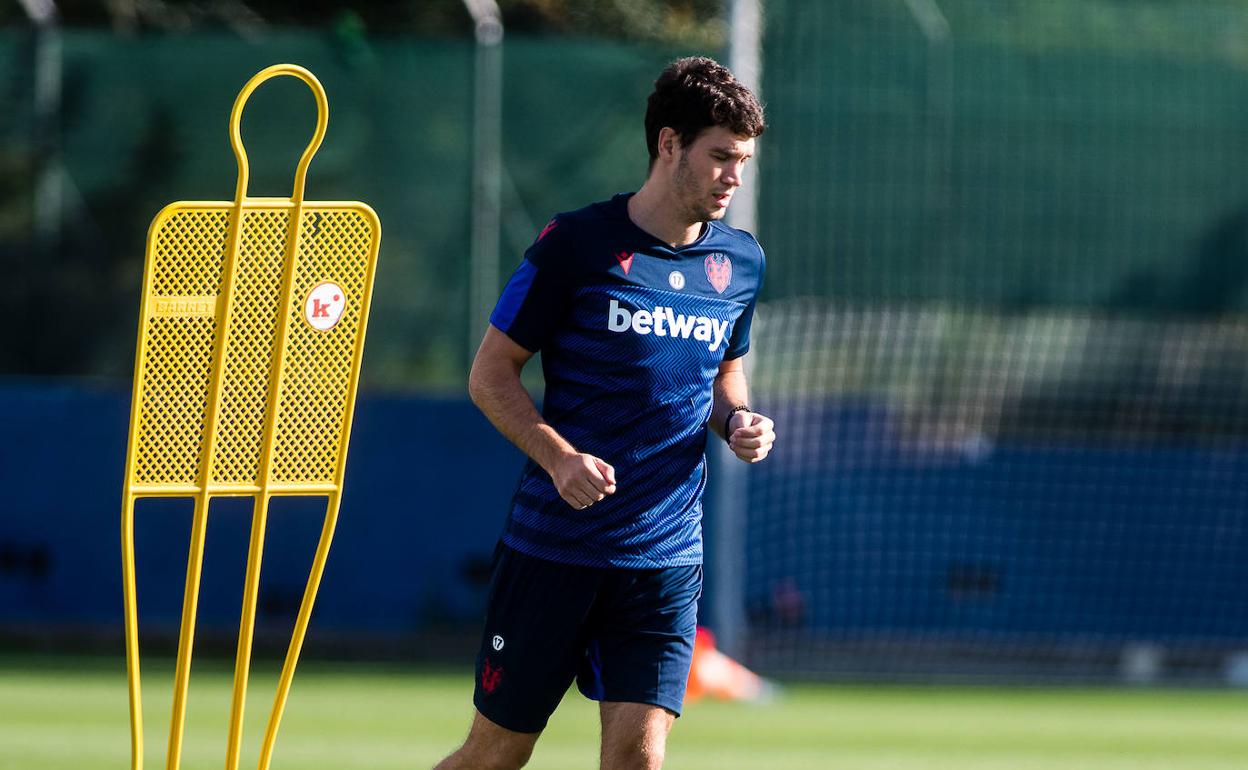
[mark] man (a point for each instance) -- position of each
(641, 307)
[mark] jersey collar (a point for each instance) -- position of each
(619, 204)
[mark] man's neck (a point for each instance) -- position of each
(653, 211)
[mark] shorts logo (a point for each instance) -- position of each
(497, 641)
(491, 676)
(719, 271)
(676, 280)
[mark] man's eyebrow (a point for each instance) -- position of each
(731, 152)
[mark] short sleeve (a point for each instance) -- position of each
(739, 342)
(536, 296)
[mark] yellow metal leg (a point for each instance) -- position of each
(246, 630)
(190, 603)
(132, 632)
(301, 629)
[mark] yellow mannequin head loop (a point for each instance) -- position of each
(236, 138)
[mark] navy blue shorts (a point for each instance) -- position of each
(624, 635)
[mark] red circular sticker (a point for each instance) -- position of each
(324, 306)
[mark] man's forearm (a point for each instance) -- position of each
(497, 392)
(730, 389)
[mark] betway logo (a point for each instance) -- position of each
(666, 322)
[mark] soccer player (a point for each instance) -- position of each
(641, 307)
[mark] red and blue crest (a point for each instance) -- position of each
(719, 271)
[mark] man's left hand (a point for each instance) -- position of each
(750, 436)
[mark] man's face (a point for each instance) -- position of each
(709, 171)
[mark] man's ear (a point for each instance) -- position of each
(668, 143)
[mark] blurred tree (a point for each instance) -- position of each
(92, 268)
(692, 22)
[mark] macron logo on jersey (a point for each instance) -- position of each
(666, 322)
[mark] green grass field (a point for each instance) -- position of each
(67, 713)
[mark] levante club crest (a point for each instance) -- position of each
(491, 675)
(719, 271)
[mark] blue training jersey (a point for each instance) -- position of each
(632, 333)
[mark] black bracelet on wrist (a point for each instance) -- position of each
(731, 412)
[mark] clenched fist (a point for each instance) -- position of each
(582, 479)
(750, 436)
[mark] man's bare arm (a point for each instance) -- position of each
(749, 435)
(494, 386)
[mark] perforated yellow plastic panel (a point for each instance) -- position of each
(250, 337)
(184, 317)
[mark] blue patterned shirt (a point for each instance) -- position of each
(632, 333)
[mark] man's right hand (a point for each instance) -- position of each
(495, 388)
(582, 479)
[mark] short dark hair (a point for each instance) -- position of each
(695, 93)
